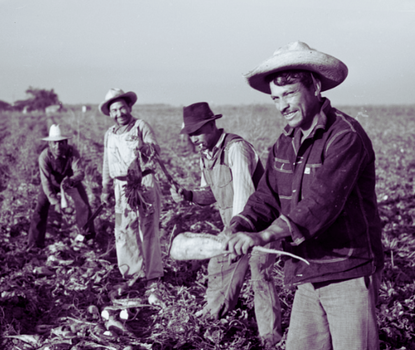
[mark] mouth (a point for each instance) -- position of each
(289, 115)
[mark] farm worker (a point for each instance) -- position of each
(318, 198)
(126, 146)
(231, 170)
(60, 168)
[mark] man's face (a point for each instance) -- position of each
(58, 148)
(120, 111)
(296, 103)
(203, 137)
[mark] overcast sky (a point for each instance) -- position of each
(185, 51)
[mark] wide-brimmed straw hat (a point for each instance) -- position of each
(298, 55)
(114, 94)
(196, 115)
(55, 134)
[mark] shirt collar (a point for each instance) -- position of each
(120, 129)
(321, 121)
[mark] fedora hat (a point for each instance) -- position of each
(298, 55)
(55, 134)
(197, 115)
(114, 94)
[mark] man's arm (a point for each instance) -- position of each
(242, 162)
(77, 169)
(148, 136)
(45, 178)
(106, 179)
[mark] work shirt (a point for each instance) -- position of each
(54, 169)
(121, 149)
(242, 161)
(322, 191)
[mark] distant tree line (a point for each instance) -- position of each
(38, 100)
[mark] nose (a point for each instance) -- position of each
(282, 105)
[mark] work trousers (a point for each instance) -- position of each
(137, 238)
(338, 316)
(225, 280)
(39, 220)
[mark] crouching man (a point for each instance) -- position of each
(60, 169)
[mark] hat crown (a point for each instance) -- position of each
(293, 46)
(55, 130)
(113, 93)
(196, 115)
(197, 111)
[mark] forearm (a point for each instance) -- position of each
(78, 172)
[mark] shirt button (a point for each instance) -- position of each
(294, 191)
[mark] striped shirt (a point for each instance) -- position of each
(243, 160)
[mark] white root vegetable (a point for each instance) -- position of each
(195, 246)
(200, 246)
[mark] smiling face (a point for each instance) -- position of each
(120, 111)
(297, 103)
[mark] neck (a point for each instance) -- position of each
(215, 139)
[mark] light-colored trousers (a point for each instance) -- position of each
(338, 316)
(225, 282)
(137, 237)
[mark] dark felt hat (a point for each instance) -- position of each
(197, 115)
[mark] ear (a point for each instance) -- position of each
(317, 85)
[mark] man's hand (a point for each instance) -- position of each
(105, 198)
(241, 242)
(180, 194)
(57, 208)
(66, 183)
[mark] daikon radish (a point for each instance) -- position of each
(201, 246)
(195, 246)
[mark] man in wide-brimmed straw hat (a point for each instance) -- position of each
(231, 170)
(318, 198)
(129, 146)
(61, 171)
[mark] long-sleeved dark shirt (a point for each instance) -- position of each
(322, 190)
(54, 169)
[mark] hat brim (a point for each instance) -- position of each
(189, 129)
(55, 138)
(330, 71)
(131, 96)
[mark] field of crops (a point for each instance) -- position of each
(54, 299)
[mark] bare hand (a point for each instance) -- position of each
(57, 208)
(66, 183)
(240, 243)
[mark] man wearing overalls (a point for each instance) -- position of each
(231, 170)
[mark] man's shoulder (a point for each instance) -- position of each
(343, 122)
(44, 155)
(233, 139)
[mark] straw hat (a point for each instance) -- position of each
(298, 55)
(114, 94)
(55, 134)
(197, 115)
